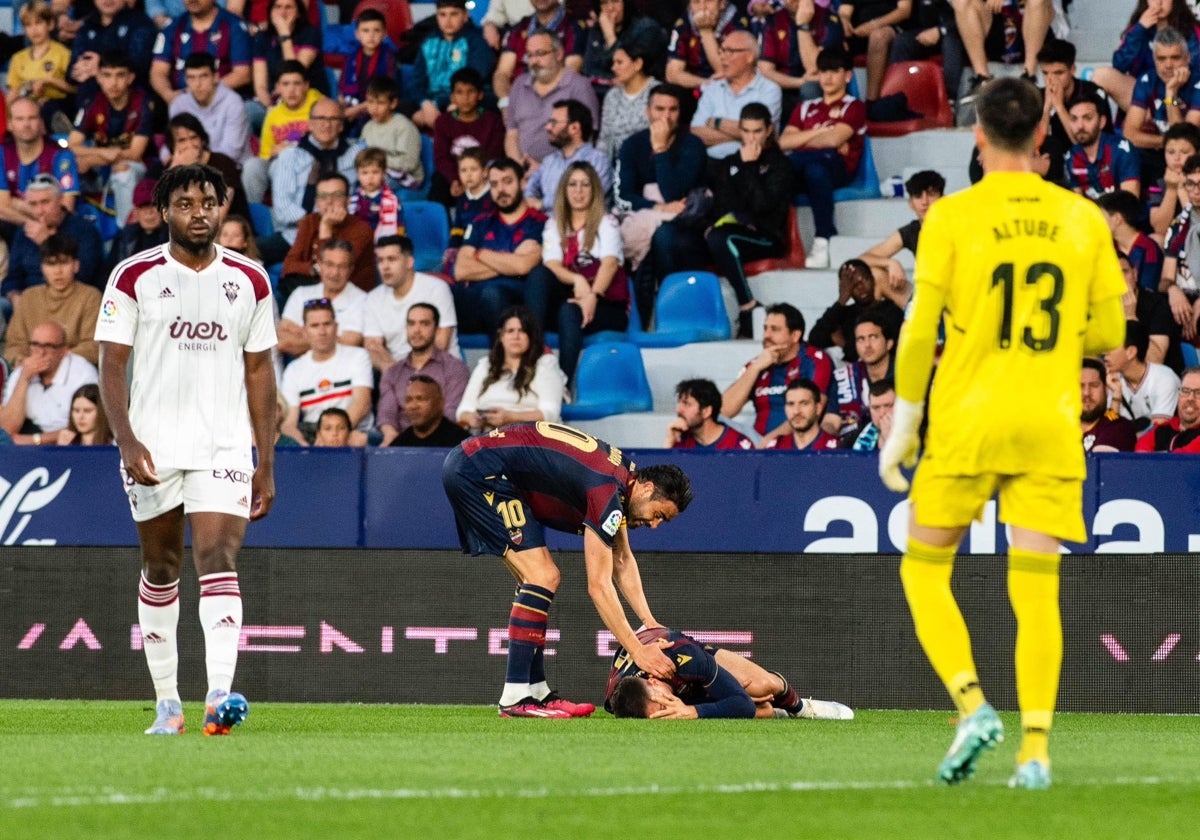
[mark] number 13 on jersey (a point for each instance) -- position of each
(1039, 287)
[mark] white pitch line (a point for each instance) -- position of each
(160, 796)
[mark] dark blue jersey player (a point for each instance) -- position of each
(709, 682)
(505, 487)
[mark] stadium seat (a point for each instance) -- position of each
(794, 258)
(924, 86)
(610, 379)
(689, 308)
(426, 224)
(864, 185)
(1191, 357)
(421, 193)
(260, 219)
(478, 10)
(396, 12)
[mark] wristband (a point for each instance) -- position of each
(502, 102)
(803, 27)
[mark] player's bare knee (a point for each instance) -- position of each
(161, 567)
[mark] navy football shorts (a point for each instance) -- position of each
(490, 516)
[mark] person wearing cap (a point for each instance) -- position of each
(147, 230)
(43, 194)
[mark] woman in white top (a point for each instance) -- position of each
(624, 111)
(586, 290)
(517, 382)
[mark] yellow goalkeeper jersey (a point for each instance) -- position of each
(1016, 264)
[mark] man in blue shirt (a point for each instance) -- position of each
(1099, 162)
(499, 249)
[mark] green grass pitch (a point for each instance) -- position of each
(84, 770)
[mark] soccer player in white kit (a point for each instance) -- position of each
(200, 319)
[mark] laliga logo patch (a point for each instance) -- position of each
(109, 309)
(613, 523)
(231, 291)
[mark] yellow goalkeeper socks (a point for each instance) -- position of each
(1033, 590)
(925, 572)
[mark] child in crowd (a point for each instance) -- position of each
(394, 133)
(372, 201)
(457, 44)
(474, 201)
(1168, 197)
(464, 124)
(39, 72)
(374, 57)
(287, 123)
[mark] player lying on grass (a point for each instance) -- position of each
(709, 682)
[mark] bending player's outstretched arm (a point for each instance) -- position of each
(628, 578)
(114, 394)
(260, 393)
(599, 560)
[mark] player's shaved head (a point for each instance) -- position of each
(1009, 112)
(630, 698)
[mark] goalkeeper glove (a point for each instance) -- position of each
(901, 446)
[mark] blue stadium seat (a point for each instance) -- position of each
(864, 184)
(610, 379)
(422, 192)
(427, 225)
(260, 219)
(478, 10)
(1191, 357)
(689, 308)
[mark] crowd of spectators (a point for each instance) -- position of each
(582, 152)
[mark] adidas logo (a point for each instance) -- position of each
(227, 622)
(152, 638)
(243, 502)
(165, 293)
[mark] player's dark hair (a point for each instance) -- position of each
(507, 164)
(383, 86)
(1056, 51)
(188, 122)
(523, 378)
(182, 177)
(396, 240)
(703, 391)
(630, 697)
(577, 112)
(1092, 363)
(881, 386)
(1192, 164)
(856, 266)
(672, 90)
(795, 321)
(833, 58)
(367, 15)
(670, 483)
(335, 412)
(756, 111)
(57, 246)
(1009, 112)
(806, 385)
(924, 181)
(200, 61)
(1183, 131)
(1138, 336)
(117, 58)
(1121, 203)
(873, 315)
(467, 76)
(292, 66)
(433, 310)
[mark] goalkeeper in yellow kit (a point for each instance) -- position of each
(1027, 279)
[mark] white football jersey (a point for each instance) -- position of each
(189, 331)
